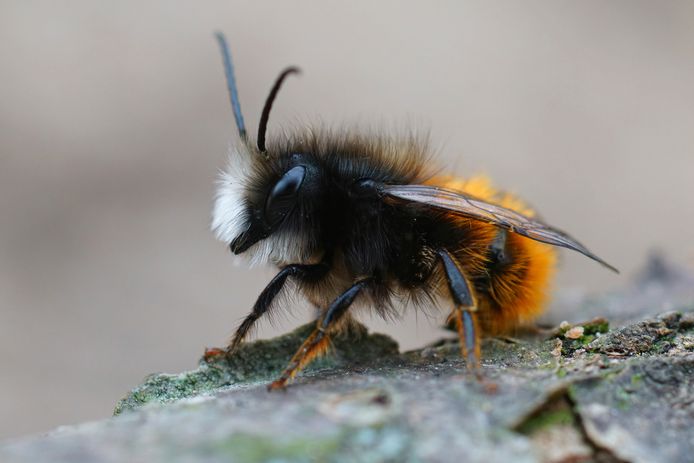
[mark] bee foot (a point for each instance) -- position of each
(278, 385)
(211, 353)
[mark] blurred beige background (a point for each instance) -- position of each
(114, 119)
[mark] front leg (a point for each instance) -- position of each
(318, 341)
(302, 272)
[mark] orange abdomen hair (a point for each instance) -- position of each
(516, 292)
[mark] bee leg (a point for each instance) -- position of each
(465, 313)
(466, 323)
(319, 340)
(264, 302)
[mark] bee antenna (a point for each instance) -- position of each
(231, 85)
(262, 128)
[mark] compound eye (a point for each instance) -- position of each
(283, 194)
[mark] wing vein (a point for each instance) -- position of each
(473, 208)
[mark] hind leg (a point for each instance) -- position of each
(464, 315)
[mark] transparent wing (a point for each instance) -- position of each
(467, 206)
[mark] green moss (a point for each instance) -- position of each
(591, 330)
(622, 398)
(586, 339)
(252, 448)
(612, 373)
(550, 416)
(593, 327)
(636, 379)
(387, 442)
(663, 344)
(598, 325)
(258, 361)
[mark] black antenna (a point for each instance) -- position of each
(262, 128)
(231, 85)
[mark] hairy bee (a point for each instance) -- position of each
(360, 219)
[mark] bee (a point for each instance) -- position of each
(354, 219)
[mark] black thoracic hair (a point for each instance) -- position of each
(334, 163)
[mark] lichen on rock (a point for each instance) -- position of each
(256, 362)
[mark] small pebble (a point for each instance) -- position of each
(574, 333)
(687, 321)
(428, 353)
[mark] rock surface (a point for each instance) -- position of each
(582, 392)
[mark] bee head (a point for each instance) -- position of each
(261, 194)
(279, 199)
(269, 201)
(264, 219)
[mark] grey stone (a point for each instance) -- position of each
(598, 394)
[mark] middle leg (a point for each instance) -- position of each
(318, 341)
